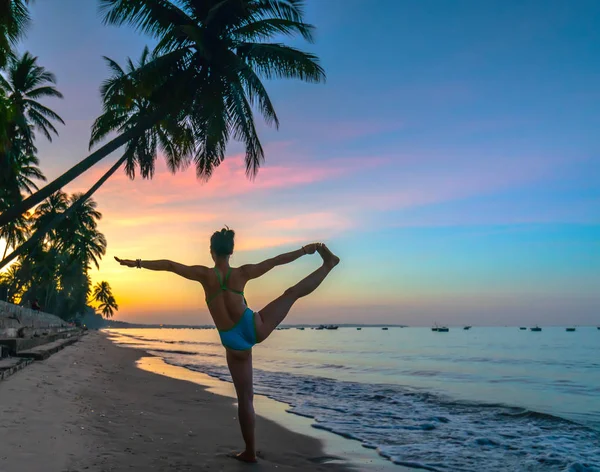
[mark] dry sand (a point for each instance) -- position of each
(88, 408)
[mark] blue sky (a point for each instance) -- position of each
(452, 159)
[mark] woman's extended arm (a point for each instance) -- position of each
(196, 272)
(253, 271)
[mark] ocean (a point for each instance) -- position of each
(495, 399)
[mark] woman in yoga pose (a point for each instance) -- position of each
(239, 327)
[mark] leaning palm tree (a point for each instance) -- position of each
(49, 224)
(128, 101)
(14, 19)
(211, 57)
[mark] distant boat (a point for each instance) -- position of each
(434, 328)
(570, 330)
(443, 329)
(466, 328)
(385, 329)
(537, 328)
(358, 329)
(598, 327)
(522, 328)
(331, 327)
(301, 329)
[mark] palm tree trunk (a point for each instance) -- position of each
(40, 233)
(18, 209)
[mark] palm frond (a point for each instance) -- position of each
(266, 28)
(153, 17)
(45, 111)
(240, 113)
(280, 61)
(292, 10)
(45, 91)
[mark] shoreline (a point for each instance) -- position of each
(89, 407)
(351, 452)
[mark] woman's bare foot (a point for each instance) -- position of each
(245, 457)
(329, 258)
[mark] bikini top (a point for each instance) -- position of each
(223, 284)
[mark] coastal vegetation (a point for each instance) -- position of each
(54, 270)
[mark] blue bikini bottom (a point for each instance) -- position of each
(242, 336)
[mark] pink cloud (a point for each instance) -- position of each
(229, 180)
(310, 221)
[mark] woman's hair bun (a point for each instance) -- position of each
(221, 242)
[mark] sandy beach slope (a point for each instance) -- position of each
(88, 408)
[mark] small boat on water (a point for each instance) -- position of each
(331, 327)
(384, 329)
(536, 328)
(466, 328)
(598, 327)
(301, 329)
(570, 330)
(522, 328)
(434, 328)
(443, 329)
(358, 329)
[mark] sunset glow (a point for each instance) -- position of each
(455, 189)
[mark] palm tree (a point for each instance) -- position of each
(49, 224)
(47, 212)
(211, 56)
(14, 19)
(126, 104)
(25, 84)
(88, 246)
(102, 294)
(127, 98)
(25, 169)
(57, 267)
(15, 233)
(28, 82)
(11, 282)
(109, 307)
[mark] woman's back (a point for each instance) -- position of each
(224, 289)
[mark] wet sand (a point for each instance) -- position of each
(89, 408)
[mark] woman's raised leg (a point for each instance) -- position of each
(275, 312)
(240, 366)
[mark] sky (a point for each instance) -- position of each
(451, 160)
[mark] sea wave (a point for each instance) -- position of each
(422, 430)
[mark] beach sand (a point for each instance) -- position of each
(89, 408)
